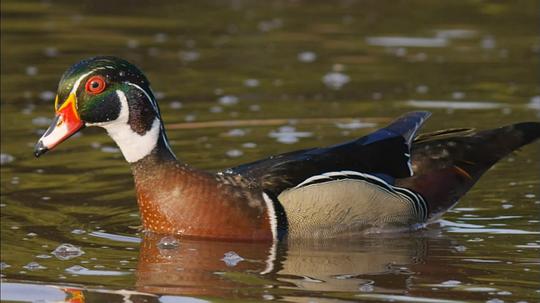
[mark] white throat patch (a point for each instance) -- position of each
(133, 146)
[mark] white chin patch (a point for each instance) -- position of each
(133, 146)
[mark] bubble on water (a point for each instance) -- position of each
(249, 145)
(168, 242)
(31, 234)
(215, 109)
(43, 256)
(376, 96)
(132, 43)
(458, 95)
(50, 51)
(355, 125)
(228, 100)
(234, 153)
(159, 95)
(175, 105)
(76, 269)
(366, 288)
(400, 52)
(231, 258)
(6, 158)
(47, 95)
(534, 103)
(78, 231)
(488, 42)
(335, 80)
(460, 248)
(154, 51)
(451, 283)
(110, 149)
(189, 56)
(255, 107)
(28, 109)
(41, 121)
(530, 196)
(190, 118)
(495, 300)
(67, 251)
(422, 89)
(288, 135)
(31, 70)
(269, 25)
(236, 132)
(307, 57)
(268, 297)
(4, 265)
(34, 266)
(251, 82)
(160, 37)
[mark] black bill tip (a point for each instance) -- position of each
(40, 149)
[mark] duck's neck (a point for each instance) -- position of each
(138, 130)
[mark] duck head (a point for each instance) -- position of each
(111, 93)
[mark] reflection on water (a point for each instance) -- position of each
(238, 81)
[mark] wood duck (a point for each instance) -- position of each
(389, 179)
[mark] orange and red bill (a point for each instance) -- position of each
(66, 123)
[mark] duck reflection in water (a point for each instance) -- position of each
(239, 269)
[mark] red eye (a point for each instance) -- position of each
(95, 85)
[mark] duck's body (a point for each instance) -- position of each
(386, 180)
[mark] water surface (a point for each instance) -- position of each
(238, 81)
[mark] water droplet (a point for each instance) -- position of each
(168, 242)
(51, 51)
(228, 100)
(422, 89)
(251, 82)
(67, 251)
(75, 269)
(6, 158)
(335, 80)
(110, 149)
(31, 70)
(41, 121)
(307, 57)
(366, 288)
(451, 283)
(233, 153)
(231, 258)
(175, 105)
(189, 56)
(34, 266)
(46, 96)
(249, 145)
(488, 42)
(236, 132)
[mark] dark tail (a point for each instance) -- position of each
(447, 164)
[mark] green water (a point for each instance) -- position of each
(234, 79)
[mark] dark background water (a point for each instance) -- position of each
(241, 80)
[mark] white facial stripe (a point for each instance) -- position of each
(78, 82)
(152, 102)
(133, 146)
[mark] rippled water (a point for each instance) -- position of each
(238, 81)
